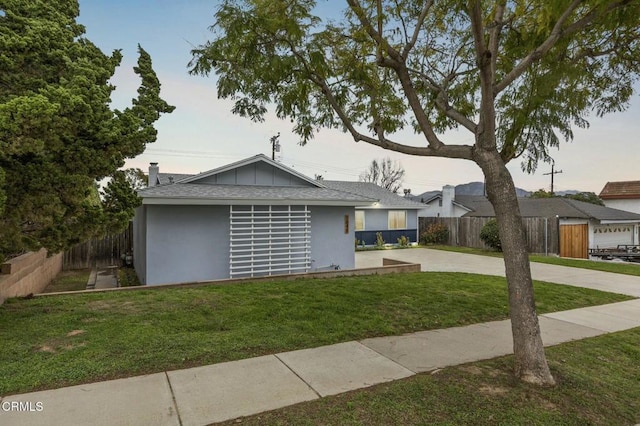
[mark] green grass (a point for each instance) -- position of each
(599, 384)
(69, 281)
(615, 267)
(64, 340)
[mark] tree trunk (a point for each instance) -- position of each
(530, 361)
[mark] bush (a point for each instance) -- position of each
(490, 235)
(436, 233)
(379, 240)
(403, 241)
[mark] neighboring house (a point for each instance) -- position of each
(622, 195)
(583, 225)
(391, 215)
(251, 218)
(444, 204)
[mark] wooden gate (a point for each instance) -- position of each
(574, 241)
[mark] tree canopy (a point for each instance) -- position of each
(517, 75)
(58, 134)
(385, 173)
(587, 197)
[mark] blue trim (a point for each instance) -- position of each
(389, 236)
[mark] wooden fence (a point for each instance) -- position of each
(542, 232)
(99, 252)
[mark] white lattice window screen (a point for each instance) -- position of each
(269, 240)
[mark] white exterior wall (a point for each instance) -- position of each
(330, 245)
(186, 244)
(629, 205)
(433, 209)
(140, 243)
(181, 244)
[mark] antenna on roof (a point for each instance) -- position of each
(275, 145)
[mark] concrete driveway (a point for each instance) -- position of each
(446, 261)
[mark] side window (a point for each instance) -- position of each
(359, 220)
(397, 219)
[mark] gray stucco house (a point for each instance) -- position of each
(391, 215)
(251, 218)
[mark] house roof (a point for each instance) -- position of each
(456, 202)
(251, 160)
(164, 178)
(384, 197)
(183, 189)
(191, 193)
(551, 207)
(618, 190)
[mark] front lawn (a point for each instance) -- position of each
(598, 385)
(626, 268)
(50, 342)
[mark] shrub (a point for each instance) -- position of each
(379, 240)
(403, 241)
(436, 233)
(490, 235)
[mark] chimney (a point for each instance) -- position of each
(448, 195)
(153, 174)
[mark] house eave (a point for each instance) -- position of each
(186, 201)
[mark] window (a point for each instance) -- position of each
(359, 220)
(397, 219)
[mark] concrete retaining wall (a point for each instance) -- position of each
(29, 273)
(392, 267)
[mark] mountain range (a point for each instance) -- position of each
(476, 188)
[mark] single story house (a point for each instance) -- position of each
(582, 225)
(251, 218)
(390, 215)
(622, 195)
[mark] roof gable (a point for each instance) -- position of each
(620, 190)
(386, 198)
(258, 170)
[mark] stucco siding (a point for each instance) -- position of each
(629, 205)
(140, 243)
(329, 243)
(187, 244)
(254, 174)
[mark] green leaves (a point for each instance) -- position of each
(58, 134)
(552, 65)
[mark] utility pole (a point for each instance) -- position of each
(275, 145)
(552, 173)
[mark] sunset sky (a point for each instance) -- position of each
(202, 134)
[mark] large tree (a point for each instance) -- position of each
(58, 134)
(384, 173)
(517, 75)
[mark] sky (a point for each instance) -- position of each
(202, 133)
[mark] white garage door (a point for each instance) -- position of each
(609, 236)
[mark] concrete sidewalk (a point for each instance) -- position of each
(214, 393)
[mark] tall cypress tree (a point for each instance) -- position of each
(58, 133)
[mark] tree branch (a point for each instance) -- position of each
(397, 63)
(538, 52)
(486, 129)
(494, 37)
(416, 31)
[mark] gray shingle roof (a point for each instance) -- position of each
(549, 207)
(246, 193)
(385, 197)
(164, 178)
